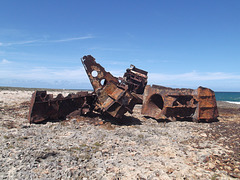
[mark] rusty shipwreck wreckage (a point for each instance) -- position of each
(116, 96)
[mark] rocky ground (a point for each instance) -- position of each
(135, 148)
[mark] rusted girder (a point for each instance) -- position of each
(167, 103)
(112, 97)
(136, 79)
(44, 107)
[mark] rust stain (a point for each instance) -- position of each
(136, 79)
(116, 96)
(44, 107)
(167, 103)
(113, 97)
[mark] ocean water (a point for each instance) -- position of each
(232, 97)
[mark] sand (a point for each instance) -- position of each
(136, 148)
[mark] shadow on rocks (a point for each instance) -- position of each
(88, 117)
(212, 121)
(50, 120)
(124, 121)
(181, 119)
(158, 120)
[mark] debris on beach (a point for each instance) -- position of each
(115, 96)
(136, 79)
(44, 107)
(167, 103)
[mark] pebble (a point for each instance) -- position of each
(211, 165)
(58, 150)
(203, 134)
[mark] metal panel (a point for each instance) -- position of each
(44, 107)
(161, 102)
(112, 96)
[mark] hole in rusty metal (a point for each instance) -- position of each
(43, 95)
(156, 101)
(114, 107)
(103, 82)
(182, 100)
(94, 73)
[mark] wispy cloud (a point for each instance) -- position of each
(194, 76)
(18, 43)
(215, 80)
(159, 61)
(56, 77)
(72, 39)
(4, 61)
(45, 41)
(111, 49)
(70, 76)
(44, 73)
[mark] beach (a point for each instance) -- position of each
(134, 148)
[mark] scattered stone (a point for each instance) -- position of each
(203, 134)
(139, 148)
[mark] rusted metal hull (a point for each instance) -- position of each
(167, 103)
(136, 79)
(207, 105)
(116, 96)
(112, 97)
(44, 107)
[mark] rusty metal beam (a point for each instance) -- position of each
(116, 96)
(136, 79)
(112, 97)
(44, 107)
(167, 103)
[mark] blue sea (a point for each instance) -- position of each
(231, 97)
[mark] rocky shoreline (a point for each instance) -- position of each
(135, 148)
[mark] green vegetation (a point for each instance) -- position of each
(10, 147)
(22, 138)
(214, 177)
(75, 149)
(141, 136)
(6, 137)
(98, 144)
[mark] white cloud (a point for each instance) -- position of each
(214, 80)
(19, 43)
(45, 73)
(193, 76)
(72, 39)
(4, 61)
(112, 49)
(45, 41)
(76, 77)
(79, 73)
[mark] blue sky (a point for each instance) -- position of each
(182, 44)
